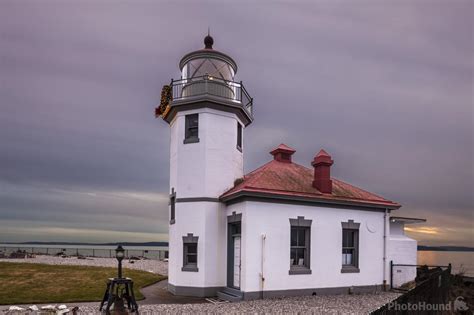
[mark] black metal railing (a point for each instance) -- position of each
(430, 293)
(209, 85)
(157, 254)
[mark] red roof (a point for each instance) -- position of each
(293, 180)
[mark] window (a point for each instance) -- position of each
(350, 246)
(239, 136)
(172, 206)
(300, 236)
(190, 253)
(191, 128)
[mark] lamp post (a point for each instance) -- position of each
(119, 254)
(119, 290)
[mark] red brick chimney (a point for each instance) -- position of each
(322, 172)
(283, 153)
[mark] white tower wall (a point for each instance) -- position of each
(209, 167)
(205, 169)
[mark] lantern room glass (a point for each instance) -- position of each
(208, 66)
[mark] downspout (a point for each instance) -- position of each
(385, 230)
(262, 277)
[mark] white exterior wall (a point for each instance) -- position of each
(272, 219)
(206, 220)
(204, 169)
(402, 250)
(209, 167)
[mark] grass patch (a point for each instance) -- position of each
(23, 283)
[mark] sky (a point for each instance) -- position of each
(386, 87)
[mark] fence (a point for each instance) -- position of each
(430, 293)
(159, 254)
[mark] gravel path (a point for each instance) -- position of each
(150, 265)
(327, 304)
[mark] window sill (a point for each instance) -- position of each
(191, 140)
(299, 271)
(172, 221)
(190, 268)
(350, 269)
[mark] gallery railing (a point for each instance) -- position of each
(209, 85)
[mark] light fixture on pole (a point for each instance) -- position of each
(119, 290)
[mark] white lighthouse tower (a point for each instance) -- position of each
(207, 112)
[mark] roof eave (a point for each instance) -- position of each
(313, 200)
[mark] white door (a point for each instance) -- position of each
(236, 262)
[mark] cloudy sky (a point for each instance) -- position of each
(385, 86)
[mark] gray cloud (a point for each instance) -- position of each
(386, 88)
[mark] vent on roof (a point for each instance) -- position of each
(322, 172)
(282, 153)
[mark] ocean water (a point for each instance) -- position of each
(460, 261)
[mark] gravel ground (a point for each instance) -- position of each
(154, 266)
(325, 304)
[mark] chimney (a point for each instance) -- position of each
(283, 153)
(322, 172)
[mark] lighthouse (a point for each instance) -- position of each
(207, 111)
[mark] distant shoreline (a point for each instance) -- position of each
(136, 244)
(445, 248)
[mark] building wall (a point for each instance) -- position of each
(207, 168)
(204, 169)
(402, 250)
(272, 219)
(206, 220)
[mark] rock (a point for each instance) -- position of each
(16, 308)
(49, 307)
(33, 308)
(63, 311)
(62, 307)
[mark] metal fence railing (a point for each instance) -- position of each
(158, 254)
(431, 291)
(196, 86)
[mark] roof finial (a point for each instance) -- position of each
(208, 40)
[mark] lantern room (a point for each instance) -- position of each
(208, 62)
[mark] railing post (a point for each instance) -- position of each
(391, 274)
(241, 88)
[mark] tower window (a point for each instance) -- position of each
(190, 252)
(191, 128)
(239, 136)
(172, 206)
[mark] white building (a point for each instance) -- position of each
(283, 229)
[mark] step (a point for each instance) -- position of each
(229, 294)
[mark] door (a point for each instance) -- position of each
(236, 279)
